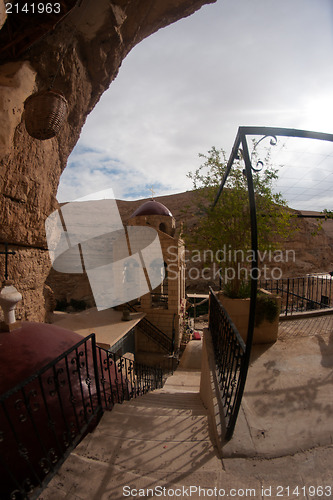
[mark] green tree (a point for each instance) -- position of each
(226, 229)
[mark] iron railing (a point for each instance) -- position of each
(43, 418)
(302, 294)
(229, 350)
(123, 379)
(154, 333)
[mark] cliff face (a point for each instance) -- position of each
(88, 47)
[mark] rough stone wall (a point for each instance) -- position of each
(89, 47)
(3, 14)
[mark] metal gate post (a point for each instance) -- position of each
(96, 371)
(254, 284)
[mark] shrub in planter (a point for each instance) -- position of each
(267, 314)
(267, 308)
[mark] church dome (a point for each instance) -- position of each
(152, 207)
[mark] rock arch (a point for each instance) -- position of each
(93, 39)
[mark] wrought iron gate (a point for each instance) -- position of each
(232, 356)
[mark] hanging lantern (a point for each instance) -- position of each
(45, 113)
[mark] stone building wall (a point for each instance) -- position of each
(167, 317)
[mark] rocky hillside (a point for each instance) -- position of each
(306, 253)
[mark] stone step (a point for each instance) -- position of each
(181, 401)
(184, 377)
(125, 409)
(161, 438)
(176, 428)
(145, 456)
(174, 387)
(84, 478)
(177, 445)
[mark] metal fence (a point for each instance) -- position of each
(302, 294)
(154, 333)
(43, 418)
(123, 379)
(229, 350)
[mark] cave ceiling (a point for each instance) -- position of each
(23, 28)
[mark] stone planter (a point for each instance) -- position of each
(239, 310)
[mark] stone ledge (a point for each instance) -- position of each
(210, 394)
(306, 314)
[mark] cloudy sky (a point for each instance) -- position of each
(192, 84)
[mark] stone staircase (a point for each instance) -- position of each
(160, 440)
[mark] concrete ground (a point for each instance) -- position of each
(306, 326)
(286, 419)
(288, 401)
(282, 445)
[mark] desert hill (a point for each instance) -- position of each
(312, 253)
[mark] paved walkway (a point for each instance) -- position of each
(288, 401)
(306, 327)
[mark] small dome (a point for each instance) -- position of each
(152, 207)
(29, 348)
(52, 408)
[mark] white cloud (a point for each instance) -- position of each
(192, 84)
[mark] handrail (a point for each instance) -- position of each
(229, 351)
(35, 375)
(122, 378)
(44, 417)
(225, 328)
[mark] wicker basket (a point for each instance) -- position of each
(45, 112)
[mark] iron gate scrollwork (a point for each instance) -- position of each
(122, 378)
(44, 417)
(232, 356)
